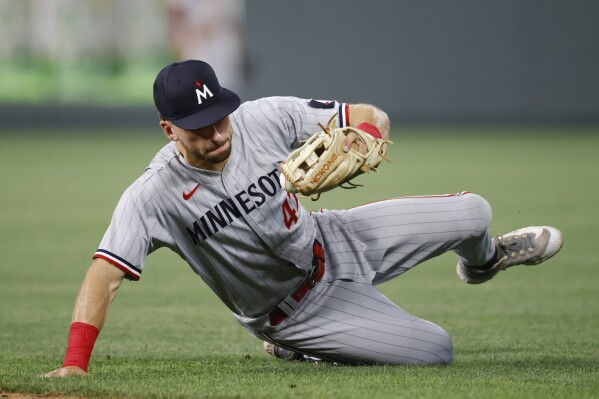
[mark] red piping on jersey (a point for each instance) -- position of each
(115, 263)
(346, 114)
(414, 196)
(437, 196)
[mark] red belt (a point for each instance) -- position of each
(315, 275)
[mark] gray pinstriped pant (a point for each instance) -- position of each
(344, 318)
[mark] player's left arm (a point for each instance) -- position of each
(300, 118)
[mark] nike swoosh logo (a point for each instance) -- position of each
(188, 195)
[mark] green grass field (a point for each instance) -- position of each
(529, 333)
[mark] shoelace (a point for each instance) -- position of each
(517, 245)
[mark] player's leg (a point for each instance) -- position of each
(349, 322)
(387, 238)
(379, 241)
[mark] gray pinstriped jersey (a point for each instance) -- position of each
(248, 239)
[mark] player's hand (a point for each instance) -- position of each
(352, 140)
(65, 372)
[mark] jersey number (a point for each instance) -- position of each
(289, 213)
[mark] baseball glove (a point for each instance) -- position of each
(320, 164)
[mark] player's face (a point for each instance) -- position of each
(207, 148)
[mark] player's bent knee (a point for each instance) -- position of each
(481, 210)
(444, 356)
(443, 349)
(434, 347)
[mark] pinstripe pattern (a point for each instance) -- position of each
(379, 241)
(354, 323)
(233, 232)
(345, 318)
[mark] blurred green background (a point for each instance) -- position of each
(88, 51)
(434, 61)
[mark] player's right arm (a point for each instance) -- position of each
(98, 289)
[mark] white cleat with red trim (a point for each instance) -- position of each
(527, 246)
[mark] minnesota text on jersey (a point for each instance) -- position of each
(223, 213)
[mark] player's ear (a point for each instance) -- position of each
(167, 128)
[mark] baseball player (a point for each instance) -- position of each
(302, 282)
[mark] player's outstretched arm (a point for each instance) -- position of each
(89, 314)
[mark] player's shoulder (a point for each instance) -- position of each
(162, 159)
(155, 170)
(270, 109)
(287, 104)
(272, 103)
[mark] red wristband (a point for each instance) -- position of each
(371, 130)
(82, 338)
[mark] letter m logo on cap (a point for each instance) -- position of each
(202, 94)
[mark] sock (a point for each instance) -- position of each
(491, 262)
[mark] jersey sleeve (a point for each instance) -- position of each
(312, 112)
(128, 239)
(298, 118)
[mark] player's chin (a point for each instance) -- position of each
(219, 154)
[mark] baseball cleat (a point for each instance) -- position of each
(287, 354)
(527, 246)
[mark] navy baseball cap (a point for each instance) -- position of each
(188, 94)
